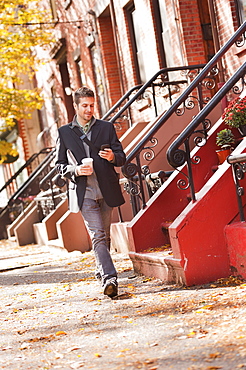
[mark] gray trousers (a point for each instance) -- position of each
(97, 217)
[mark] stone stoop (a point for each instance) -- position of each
(159, 265)
(119, 237)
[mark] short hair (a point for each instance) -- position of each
(83, 92)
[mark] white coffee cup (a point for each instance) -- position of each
(88, 162)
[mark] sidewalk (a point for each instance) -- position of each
(53, 315)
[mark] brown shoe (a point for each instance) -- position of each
(111, 288)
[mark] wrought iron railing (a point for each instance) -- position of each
(27, 190)
(31, 185)
(121, 103)
(158, 89)
(35, 158)
(196, 94)
(176, 156)
(238, 163)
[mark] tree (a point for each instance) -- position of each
(21, 30)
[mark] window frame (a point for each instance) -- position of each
(129, 9)
(241, 16)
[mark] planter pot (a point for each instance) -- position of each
(223, 154)
(242, 130)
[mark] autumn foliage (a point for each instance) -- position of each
(21, 31)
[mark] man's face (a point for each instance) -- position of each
(85, 109)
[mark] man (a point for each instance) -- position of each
(93, 192)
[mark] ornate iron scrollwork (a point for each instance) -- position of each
(200, 140)
(190, 73)
(189, 104)
(132, 188)
(241, 41)
(145, 170)
(178, 158)
(150, 154)
(210, 80)
(129, 170)
(239, 171)
(236, 89)
(196, 159)
(183, 184)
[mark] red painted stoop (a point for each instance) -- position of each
(236, 243)
(199, 252)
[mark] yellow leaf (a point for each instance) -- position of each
(97, 355)
(124, 350)
(191, 334)
(61, 333)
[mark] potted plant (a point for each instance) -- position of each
(235, 114)
(225, 138)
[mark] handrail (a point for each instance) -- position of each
(184, 95)
(177, 157)
(148, 142)
(47, 179)
(148, 83)
(34, 174)
(173, 148)
(141, 90)
(118, 103)
(238, 170)
(25, 165)
(238, 158)
(38, 170)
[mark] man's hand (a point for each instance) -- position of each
(107, 154)
(84, 170)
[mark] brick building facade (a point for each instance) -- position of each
(113, 45)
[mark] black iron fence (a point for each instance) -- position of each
(158, 93)
(238, 163)
(27, 190)
(195, 95)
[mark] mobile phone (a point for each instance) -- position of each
(104, 146)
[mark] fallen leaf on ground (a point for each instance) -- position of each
(73, 349)
(215, 355)
(61, 333)
(77, 365)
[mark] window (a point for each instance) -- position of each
(53, 10)
(130, 14)
(163, 35)
(54, 105)
(97, 69)
(81, 72)
(241, 10)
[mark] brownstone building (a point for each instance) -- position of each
(114, 45)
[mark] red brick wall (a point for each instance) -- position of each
(111, 70)
(192, 33)
(185, 29)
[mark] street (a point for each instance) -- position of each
(53, 315)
